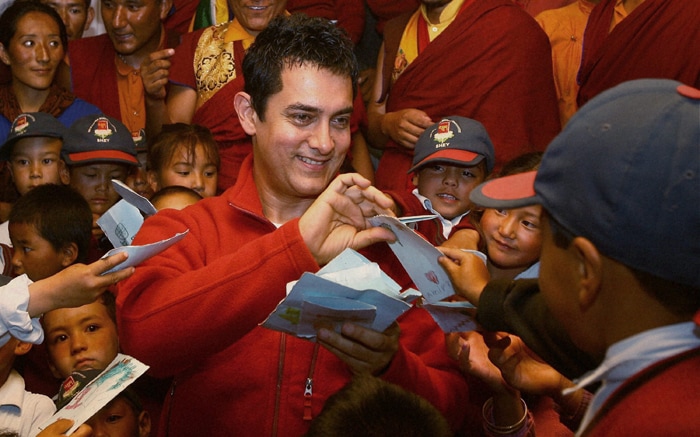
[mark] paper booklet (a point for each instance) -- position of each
(123, 220)
(120, 373)
(351, 288)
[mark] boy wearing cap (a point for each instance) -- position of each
(33, 152)
(98, 149)
(623, 280)
(451, 158)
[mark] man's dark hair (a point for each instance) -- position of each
(60, 215)
(293, 41)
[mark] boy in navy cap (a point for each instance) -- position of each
(620, 193)
(33, 152)
(98, 149)
(451, 157)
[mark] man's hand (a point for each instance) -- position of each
(467, 272)
(338, 218)
(154, 73)
(405, 126)
(362, 349)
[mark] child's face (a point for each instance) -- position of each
(118, 419)
(448, 186)
(34, 255)
(80, 338)
(197, 173)
(513, 237)
(36, 161)
(94, 183)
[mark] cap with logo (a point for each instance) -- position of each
(454, 140)
(31, 124)
(99, 138)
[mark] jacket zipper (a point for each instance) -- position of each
(278, 394)
(170, 406)
(308, 388)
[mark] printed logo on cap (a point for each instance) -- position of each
(22, 123)
(444, 133)
(102, 129)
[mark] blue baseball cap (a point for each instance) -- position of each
(454, 140)
(31, 124)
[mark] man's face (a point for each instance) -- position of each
(448, 186)
(300, 146)
(134, 26)
(94, 183)
(76, 15)
(37, 161)
(80, 338)
(35, 255)
(255, 15)
(559, 287)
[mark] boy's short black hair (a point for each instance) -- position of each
(175, 189)
(371, 407)
(60, 215)
(293, 41)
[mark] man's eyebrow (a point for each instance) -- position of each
(302, 107)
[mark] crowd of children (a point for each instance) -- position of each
(549, 246)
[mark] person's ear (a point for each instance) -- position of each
(90, 17)
(590, 272)
(144, 424)
(246, 114)
(152, 179)
(63, 173)
(4, 57)
(415, 179)
(69, 253)
(22, 347)
(165, 7)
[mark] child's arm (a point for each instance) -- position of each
(360, 157)
(76, 285)
(527, 372)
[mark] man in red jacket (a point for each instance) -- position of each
(193, 312)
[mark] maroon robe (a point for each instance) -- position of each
(492, 64)
(659, 39)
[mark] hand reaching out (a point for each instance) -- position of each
(522, 368)
(76, 285)
(467, 272)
